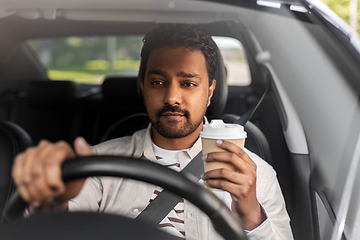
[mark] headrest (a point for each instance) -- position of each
(219, 98)
(45, 93)
(115, 87)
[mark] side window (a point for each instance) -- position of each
(233, 53)
(88, 59)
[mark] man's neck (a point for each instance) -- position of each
(175, 143)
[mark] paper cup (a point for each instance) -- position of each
(217, 129)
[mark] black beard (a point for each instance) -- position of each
(170, 131)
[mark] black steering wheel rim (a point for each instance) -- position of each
(184, 185)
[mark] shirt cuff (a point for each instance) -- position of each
(263, 231)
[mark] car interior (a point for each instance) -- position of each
(62, 109)
(34, 107)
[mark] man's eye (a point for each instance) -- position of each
(157, 82)
(190, 84)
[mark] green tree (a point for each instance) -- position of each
(342, 8)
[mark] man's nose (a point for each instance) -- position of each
(173, 94)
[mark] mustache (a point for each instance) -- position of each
(173, 109)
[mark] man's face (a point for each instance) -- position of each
(176, 91)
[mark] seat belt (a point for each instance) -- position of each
(160, 207)
(246, 116)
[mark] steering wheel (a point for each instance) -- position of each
(184, 185)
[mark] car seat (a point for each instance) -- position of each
(255, 142)
(119, 100)
(47, 110)
(13, 140)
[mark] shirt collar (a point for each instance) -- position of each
(149, 151)
(197, 147)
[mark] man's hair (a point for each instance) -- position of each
(193, 37)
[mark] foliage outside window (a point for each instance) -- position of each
(90, 59)
(343, 9)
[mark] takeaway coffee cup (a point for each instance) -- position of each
(217, 129)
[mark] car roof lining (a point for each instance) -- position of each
(34, 12)
(19, 29)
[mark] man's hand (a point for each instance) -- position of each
(241, 183)
(37, 174)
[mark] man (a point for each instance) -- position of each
(176, 79)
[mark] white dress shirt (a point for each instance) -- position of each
(129, 197)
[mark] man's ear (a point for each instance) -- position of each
(141, 85)
(140, 89)
(211, 91)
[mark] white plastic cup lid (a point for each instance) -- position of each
(217, 129)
